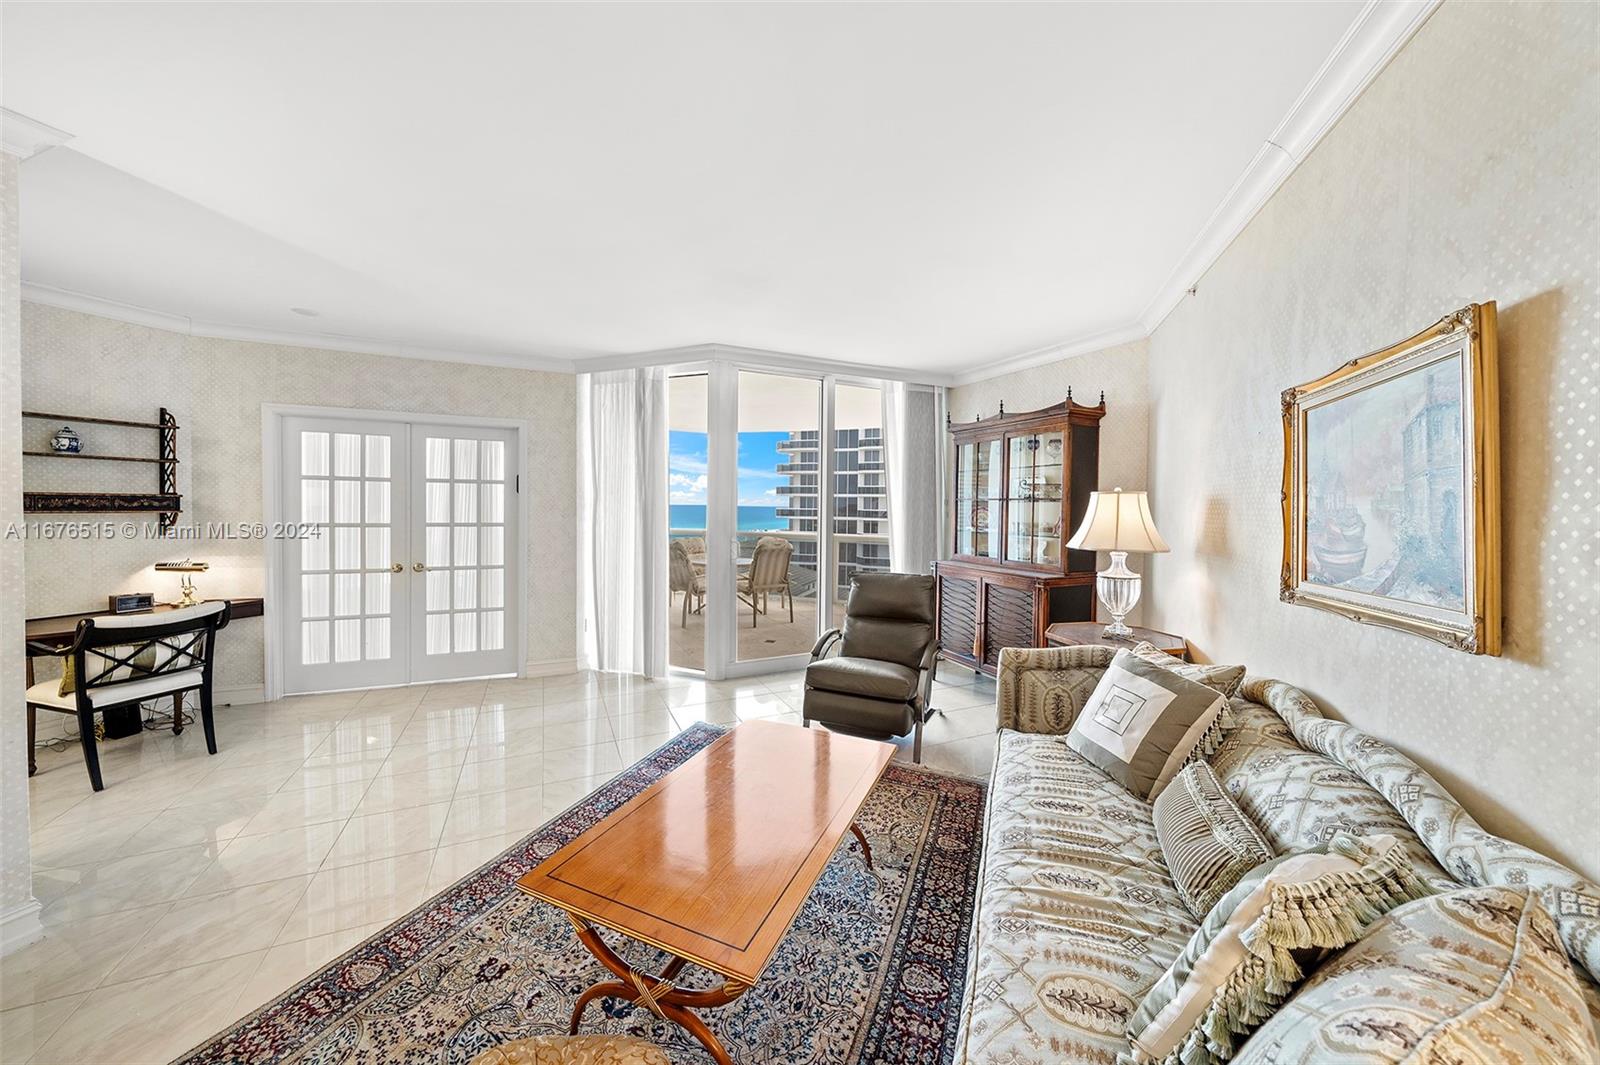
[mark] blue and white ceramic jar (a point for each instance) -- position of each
(66, 440)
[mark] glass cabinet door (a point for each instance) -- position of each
(977, 497)
(1034, 490)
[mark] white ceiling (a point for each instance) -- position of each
(930, 187)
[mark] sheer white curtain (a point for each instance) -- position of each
(911, 452)
(622, 520)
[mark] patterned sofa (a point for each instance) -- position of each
(1076, 914)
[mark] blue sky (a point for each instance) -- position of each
(758, 455)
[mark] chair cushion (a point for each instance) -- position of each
(1143, 722)
(858, 714)
(574, 1050)
(48, 692)
(863, 676)
(889, 616)
(1478, 974)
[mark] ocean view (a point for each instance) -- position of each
(751, 519)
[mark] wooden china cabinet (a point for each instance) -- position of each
(1021, 485)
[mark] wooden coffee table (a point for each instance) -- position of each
(711, 863)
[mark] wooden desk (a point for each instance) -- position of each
(1078, 633)
(712, 862)
(57, 631)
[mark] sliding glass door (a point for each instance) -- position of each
(688, 487)
(774, 577)
(776, 482)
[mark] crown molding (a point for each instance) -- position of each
(83, 303)
(776, 360)
(26, 137)
(1106, 338)
(1375, 36)
(174, 323)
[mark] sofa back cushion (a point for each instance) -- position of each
(1301, 799)
(1224, 679)
(1476, 974)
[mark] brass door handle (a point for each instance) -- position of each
(417, 567)
(398, 567)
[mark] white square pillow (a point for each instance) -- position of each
(1142, 722)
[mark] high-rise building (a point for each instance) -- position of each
(861, 507)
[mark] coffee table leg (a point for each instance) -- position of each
(861, 838)
(655, 993)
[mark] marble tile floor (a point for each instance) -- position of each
(195, 888)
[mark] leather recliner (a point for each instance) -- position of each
(879, 683)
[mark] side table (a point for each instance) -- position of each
(1077, 633)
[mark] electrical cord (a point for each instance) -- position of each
(152, 718)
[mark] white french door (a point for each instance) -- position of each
(464, 527)
(407, 565)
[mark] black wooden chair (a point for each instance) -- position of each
(124, 661)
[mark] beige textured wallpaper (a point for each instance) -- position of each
(16, 879)
(1122, 373)
(1466, 172)
(215, 388)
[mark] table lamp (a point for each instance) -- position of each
(1118, 522)
(186, 582)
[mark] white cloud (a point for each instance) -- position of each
(683, 488)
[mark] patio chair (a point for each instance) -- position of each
(768, 573)
(684, 577)
(124, 661)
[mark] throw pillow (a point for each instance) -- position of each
(1225, 679)
(1208, 843)
(1478, 974)
(1241, 962)
(1142, 721)
(143, 662)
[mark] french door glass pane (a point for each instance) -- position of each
(346, 490)
(313, 454)
(464, 530)
(314, 642)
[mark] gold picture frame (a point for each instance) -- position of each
(1391, 486)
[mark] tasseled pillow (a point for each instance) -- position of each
(1245, 958)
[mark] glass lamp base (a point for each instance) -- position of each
(1119, 589)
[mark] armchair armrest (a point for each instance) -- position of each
(1041, 689)
(820, 650)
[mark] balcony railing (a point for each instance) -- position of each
(804, 573)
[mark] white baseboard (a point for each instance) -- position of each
(255, 693)
(20, 926)
(551, 667)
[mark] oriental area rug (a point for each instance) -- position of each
(870, 973)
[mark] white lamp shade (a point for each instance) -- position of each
(1118, 521)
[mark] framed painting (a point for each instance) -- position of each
(1391, 486)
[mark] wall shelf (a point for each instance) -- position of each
(97, 458)
(164, 501)
(102, 502)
